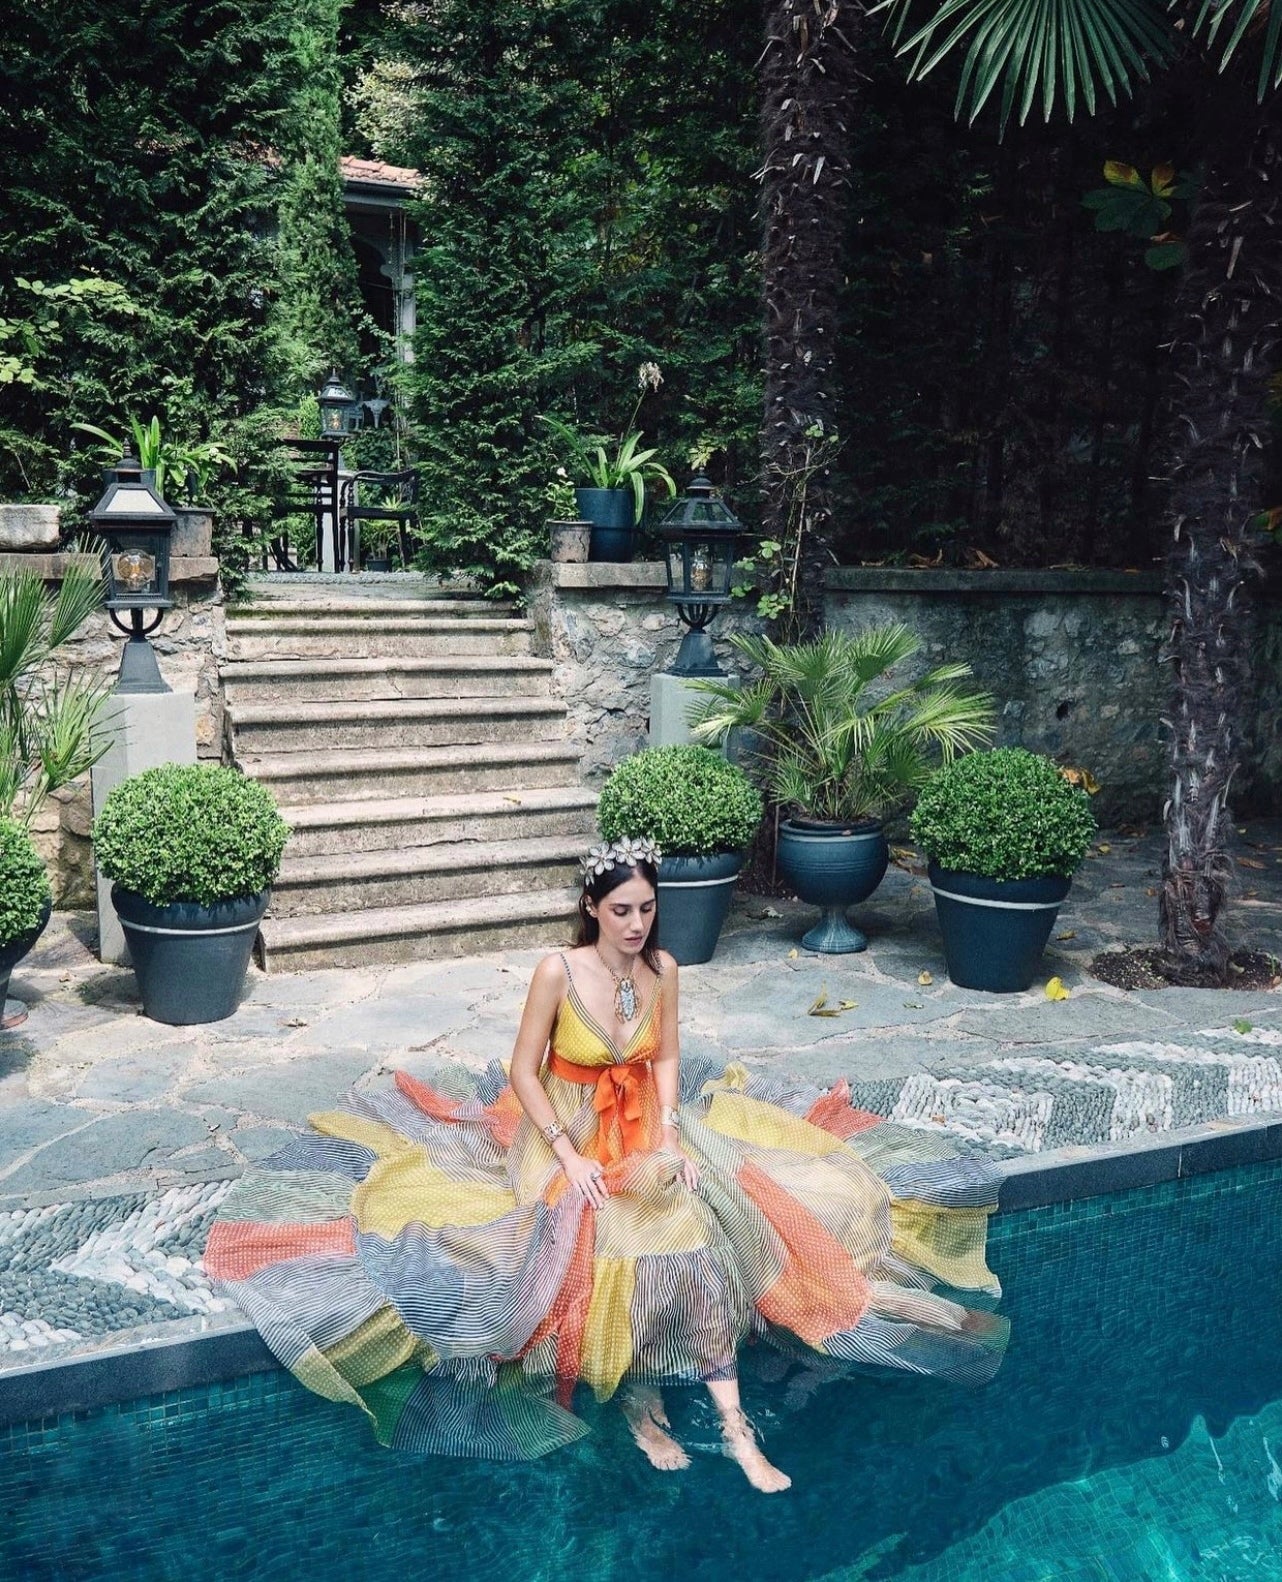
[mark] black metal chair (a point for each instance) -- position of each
(313, 490)
(382, 497)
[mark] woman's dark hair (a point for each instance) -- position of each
(595, 889)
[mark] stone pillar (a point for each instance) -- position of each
(147, 729)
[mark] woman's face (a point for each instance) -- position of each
(626, 915)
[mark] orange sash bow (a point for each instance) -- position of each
(618, 1097)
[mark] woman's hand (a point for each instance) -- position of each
(586, 1177)
(689, 1170)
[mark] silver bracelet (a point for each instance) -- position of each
(553, 1131)
(669, 1117)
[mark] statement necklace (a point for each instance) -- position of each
(625, 990)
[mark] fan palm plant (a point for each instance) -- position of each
(837, 741)
(1223, 352)
(47, 719)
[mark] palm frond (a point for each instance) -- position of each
(1036, 50)
(23, 641)
(82, 592)
(1241, 16)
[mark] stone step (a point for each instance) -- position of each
(358, 774)
(373, 880)
(431, 930)
(348, 637)
(315, 587)
(368, 610)
(394, 724)
(481, 675)
(397, 823)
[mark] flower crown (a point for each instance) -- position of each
(629, 852)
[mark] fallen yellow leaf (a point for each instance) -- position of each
(1103, 848)
(848, 1005)
(820, 1002)
(1069, 933)
(792, 954)
(925, 979)
(1055, 990)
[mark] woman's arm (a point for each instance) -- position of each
(667, 1067)
(527, 1058)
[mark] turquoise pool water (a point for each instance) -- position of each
(1135, 1432)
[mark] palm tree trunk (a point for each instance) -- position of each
(808, 81)
(1226, 331)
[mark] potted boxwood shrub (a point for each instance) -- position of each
(841, 746)
(25, 904)
(1004, 831)
(193, 850)
(703, 812)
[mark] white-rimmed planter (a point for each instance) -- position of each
(190, 960)
(694, 897)
(995, 930)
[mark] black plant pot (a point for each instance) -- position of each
(377, 563)
(833, 866)
(190, 960)
(612, 513)
(11, 953)
(995, 930)
(694, 897)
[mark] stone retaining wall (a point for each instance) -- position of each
(188, 647)
(1072, 657)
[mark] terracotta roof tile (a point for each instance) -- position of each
(376, 170)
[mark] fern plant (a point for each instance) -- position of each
(836, 739)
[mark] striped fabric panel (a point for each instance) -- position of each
(479, 1290)
(304, 1196)
(462, 1146)
(310, 1151)
(966, 1182)
(962, 1359)
(690, 1314)
(445, 1416)
(325, 1298)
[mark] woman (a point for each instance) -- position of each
(456, 1267)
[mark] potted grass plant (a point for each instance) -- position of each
(702, 812)
(192, 850)
(1004, 832)
(617, 473)
(841, 744)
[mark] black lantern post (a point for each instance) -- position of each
(135, 524)
(701, 541)
(336, 403)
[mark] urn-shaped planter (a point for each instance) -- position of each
(612, 513)
(833, 866)
(995, 930)
(190, 960)
(694, 897)
(11, 953)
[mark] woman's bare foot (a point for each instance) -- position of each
(649, 1424)
(740, 1443)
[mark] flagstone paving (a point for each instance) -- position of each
(118, 1136)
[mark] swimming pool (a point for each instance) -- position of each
(1135, 1432)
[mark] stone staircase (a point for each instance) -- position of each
(415, 748)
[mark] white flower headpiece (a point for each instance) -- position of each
(629, 852)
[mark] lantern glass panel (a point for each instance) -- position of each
(138, 567)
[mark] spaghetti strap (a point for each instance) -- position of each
(569, 976)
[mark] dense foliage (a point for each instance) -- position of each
(687, 799)
(190, 832)
(1004, 814)
(24, 884)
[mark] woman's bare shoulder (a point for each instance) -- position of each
(667, 965)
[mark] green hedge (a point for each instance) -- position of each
(1005, 814)
(190, 832)
(24, 884)
(689, 799)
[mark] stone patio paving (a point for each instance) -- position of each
(118, 1136)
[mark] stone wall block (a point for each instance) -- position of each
(26, 528)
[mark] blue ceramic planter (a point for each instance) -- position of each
(11, 953)
(694, 897)
(612, 513)
(190, 960)
(832, 866)
(995, 930)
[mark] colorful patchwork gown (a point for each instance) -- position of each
(421, 1256)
